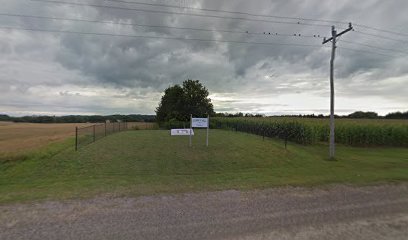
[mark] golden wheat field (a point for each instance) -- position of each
(22, 137)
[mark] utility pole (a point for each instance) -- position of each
(333, 39)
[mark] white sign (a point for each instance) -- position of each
(199, 122)
(181, 132)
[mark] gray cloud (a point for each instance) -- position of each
(68, 73)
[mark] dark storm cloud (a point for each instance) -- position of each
(130, 73)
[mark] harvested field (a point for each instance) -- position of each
(16, 138)
(141, 125)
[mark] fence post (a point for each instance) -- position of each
(76, 138)
(263, 134)
(119, 126)
(94, 133)
(105, 129)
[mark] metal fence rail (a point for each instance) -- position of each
(89, 134)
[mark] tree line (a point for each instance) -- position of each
(152, 118)
(354, 115)
(80, 118)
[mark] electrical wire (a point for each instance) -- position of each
(258, 15)
(224, 11)
(366, 51)
(380, 36)
(247, 14)
(372, 46)
(381, 30)
(158, 37)
(161, 26)
(186, 39)
(183, 14)
(298, 19)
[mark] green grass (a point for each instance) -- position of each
(148, 162)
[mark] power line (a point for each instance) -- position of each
(158, 37)
(247, 14)
(184, 14)
(257, 15)
(366, 51)
(187, 39)
(225, 11)
(382, 30)
(380, 36)
(375, 47)
(161, 26)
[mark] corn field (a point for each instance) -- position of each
(351, 132)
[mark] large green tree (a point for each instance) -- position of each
(179, 102)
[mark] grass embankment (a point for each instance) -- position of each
(149, 162)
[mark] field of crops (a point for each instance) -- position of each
(20, 138)
(351, 132)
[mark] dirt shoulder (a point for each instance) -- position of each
(335, 212)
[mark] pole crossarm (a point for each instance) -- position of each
(339, 34)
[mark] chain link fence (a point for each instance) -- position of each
(89, 134)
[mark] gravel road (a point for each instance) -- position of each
(335, 212)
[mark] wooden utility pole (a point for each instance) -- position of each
(333, 55)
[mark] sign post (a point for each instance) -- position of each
(208, 127)
(200, 123)
(191, 126)
(181, 132)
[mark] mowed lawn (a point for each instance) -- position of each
(148, 162)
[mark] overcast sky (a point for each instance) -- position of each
(67, 73)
